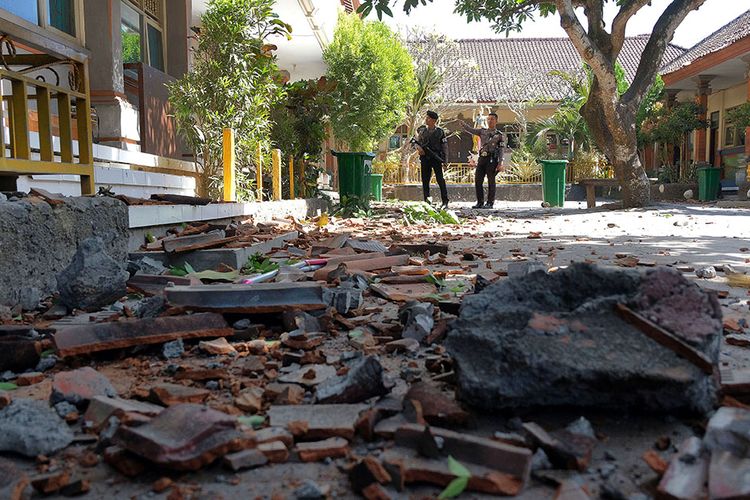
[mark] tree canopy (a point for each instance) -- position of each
(374, 79)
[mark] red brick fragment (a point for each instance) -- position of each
(318, 450)
(275, 451)
(654, 460)
(51, 482)
(375, 492)
(245, 459)
(123, 461)
(437, 407)
(79, 386)
(26, 379)
(173, 394)
(185, 437)
(161, 484)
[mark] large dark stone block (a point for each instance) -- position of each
(555, 340)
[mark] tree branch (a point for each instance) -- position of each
(629, 9)
(594, 12)
(652, 56)
(590, 52)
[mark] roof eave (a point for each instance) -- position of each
(708, 61)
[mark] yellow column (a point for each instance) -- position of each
(230, 187)
(291, 178)
(276, 174)
(259, 176)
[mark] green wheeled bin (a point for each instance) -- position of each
(708, 183)
(376, 185)
(553, 182)
(354, 173)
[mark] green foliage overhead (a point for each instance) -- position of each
(234, 83)
(374, 79)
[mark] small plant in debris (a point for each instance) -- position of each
(257, 263)
(424, 212)
(443, 286)
(8, 386)
(254, 421)
(458, 485)
(182, 270)
(353, 206)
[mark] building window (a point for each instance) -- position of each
(62, 16)
(28, 9)
(55, 15)
(130, 30)
(155, 47)
(142, 32)
(732, 136)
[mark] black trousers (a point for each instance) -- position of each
(427, 167)
(485, 167)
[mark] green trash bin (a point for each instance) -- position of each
(708, 183)
(376, 185)
(553, 182)
(354, 173)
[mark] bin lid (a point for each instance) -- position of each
(352, 153)
(555, 162)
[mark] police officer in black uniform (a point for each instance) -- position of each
(490, 159)
(432, 146)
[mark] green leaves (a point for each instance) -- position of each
(7, 386)
(458, 485)
(424, 212)
(257, 263)
(739, 116)
(353, 206)
(375, 80)
(183, 270)
(254, 421)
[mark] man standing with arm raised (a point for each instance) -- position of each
(490, 159)
(432, 146)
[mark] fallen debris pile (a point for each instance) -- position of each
(322, 351)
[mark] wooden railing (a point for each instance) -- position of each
(52, 154)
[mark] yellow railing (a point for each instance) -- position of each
(33, 95)
(463, 173)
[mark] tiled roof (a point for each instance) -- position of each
(518, 69)
(721, 38)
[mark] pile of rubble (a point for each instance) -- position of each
(374, 356)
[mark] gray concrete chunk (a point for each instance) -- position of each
(32, 428)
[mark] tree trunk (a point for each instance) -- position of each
(614, 131)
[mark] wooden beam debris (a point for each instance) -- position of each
(665, 338)
(95, 337)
